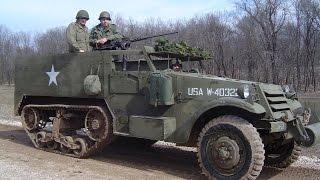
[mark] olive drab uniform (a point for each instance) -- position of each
(78, 37)
(99, 32)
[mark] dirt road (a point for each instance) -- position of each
(20, 160)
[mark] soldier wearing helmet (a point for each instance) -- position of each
(103, 32)
(77, 33)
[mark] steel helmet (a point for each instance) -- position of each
(82, 14)
(105, 14)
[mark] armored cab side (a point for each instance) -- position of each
(77, 103)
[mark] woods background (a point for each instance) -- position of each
(272, 41)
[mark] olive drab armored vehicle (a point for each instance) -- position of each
(75, 104)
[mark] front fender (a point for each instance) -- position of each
(235, 102)
(194, 108)
(254, 108)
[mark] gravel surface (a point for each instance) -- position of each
(20, 160)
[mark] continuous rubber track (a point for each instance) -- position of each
(252, 137)
(94, 145)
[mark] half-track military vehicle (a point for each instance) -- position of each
(75, 104)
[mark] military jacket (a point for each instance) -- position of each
(99, 32)
(78, 37)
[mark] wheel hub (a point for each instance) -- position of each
(226, 153)
(95, 124)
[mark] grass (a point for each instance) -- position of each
(6, 94)
(6, 102)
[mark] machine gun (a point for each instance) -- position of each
(125, 43)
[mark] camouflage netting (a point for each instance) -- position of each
(181, 48)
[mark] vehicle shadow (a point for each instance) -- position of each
(167, 159)
(17, 135)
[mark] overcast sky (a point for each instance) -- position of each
(40, 15)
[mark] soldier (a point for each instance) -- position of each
(103, 32)
(177, 66)
(77, 33)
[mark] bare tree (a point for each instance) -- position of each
(270, 15)
(53, 41)
(264, 42)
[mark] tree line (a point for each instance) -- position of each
(271, 41)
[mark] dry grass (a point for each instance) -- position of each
(6, 102)
(6, 94)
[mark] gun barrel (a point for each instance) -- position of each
(149, 37)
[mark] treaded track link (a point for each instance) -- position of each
(72, 130)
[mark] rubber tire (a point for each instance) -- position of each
(287, 157)
(253, 162)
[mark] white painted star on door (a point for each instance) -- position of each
(53, 76)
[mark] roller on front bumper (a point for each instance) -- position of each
(313, 131)
(306, 135)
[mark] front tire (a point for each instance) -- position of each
(283, 156)
(229, 147)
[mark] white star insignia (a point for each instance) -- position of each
(53, 76)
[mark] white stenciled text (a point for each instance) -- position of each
(226, 92)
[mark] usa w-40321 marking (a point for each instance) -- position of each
(228, 92)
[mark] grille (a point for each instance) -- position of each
(277, 103)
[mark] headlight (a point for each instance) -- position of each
(286, 88)
(244, 92)
(289, 92)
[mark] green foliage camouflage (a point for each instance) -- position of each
(181, 48)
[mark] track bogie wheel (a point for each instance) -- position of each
(64, 149)
(53, 145)
(83, 147)
(40, 136)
